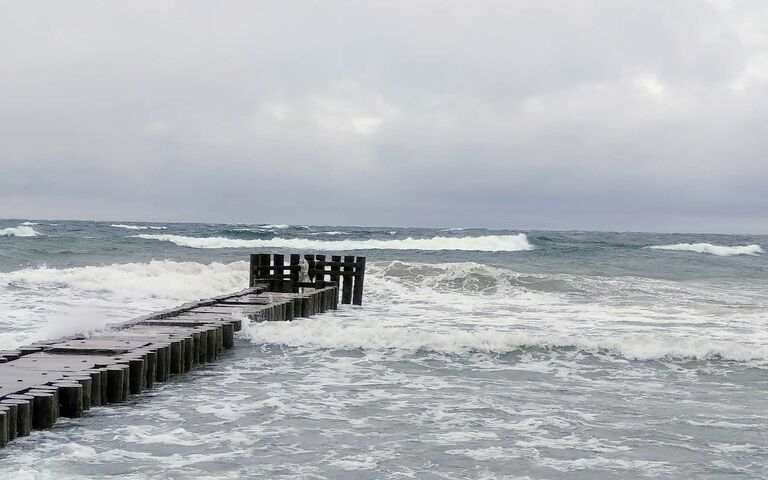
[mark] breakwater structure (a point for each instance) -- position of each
(66, 377)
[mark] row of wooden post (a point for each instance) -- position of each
(346, 272)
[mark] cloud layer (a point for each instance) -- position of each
(554, 114)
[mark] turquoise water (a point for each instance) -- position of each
(477, 354)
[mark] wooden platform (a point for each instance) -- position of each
(66, 377)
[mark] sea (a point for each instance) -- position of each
(477, 354)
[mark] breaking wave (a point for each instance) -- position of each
(334, 334)
(158, 278)
(492, 243)
(719, 250)
(138, 227)
(20, 231)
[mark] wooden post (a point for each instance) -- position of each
(265, 261)
(357, 298)
(320, 271)
(295, 259)
(346, 288)
(253, 266)
(279, 283)
(43, 410)
(4, 428)
(86, 381)
(70, 399)
(114, 383)
(23, 415)
(335, 269)
(12, 410)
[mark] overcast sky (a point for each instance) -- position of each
(617, 115)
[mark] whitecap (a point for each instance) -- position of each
(719, 250)
(138, 227)
(491, 243)
(20, 231)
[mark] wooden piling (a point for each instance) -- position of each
(43, 410)
(4, 437)
(12, 410)
(86, 382)
(346, 287)
(357, 296)
(23, 415)
(70, 399)
(115, 375)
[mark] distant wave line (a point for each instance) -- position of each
(719, 250)
(492, 243)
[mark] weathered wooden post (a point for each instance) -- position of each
(319, 271)
(357, 298)
(254, 263)
(348, 272)
(295, 272)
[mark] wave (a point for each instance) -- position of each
(29, 223)
(138, 227)
(155, 279)
(719, 250)
(43, 303)
(280, 226)
(334, 334)
(492, 243)
(20, 231)
(329, 233)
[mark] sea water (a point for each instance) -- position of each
(482, 354)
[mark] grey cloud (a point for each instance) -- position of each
(554, 114)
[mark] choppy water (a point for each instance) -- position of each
(478, 354)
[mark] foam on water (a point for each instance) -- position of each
(461, 308)
(43, 302)
(489, 243)
(20, 231)
(719, 250)
(139, 227)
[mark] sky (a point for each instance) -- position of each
(591, 115)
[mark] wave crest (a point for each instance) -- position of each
(333, 334)
(138, 227)
(719, 250)
(490, 243)
(20, 231)
(156, 279)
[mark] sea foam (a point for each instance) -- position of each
(491, 243)
(138, 227)
(20, 231)
(334, 334)
(719, 250)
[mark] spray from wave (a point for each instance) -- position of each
(43, 302)
(20, 231)
(719, 250)
(491, 243)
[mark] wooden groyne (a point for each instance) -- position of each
(68, 376)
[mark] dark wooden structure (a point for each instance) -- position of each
(66, 377)
(347, 273)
